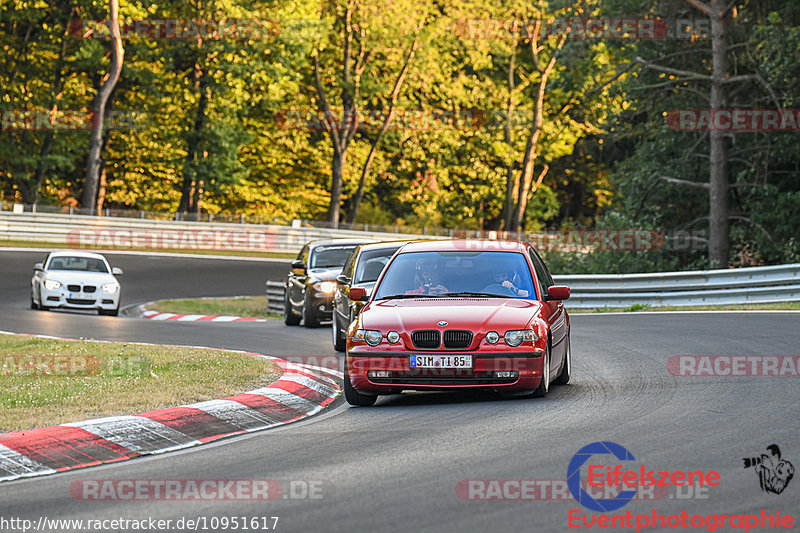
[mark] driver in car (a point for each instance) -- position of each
(426, 279)
(504, 277)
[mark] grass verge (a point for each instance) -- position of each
(782, 306)
(65, 246)
(244, 306)
(255, 306)
(45, 381)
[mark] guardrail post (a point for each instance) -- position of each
(275, 295)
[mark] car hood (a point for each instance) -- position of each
(70, 276)
(472, 314)
(324, 274)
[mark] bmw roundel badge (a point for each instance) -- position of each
(441, 323)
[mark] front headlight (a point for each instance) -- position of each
(51, 284)
(327, 287)
(515, 337)
(372, 337)
(110, 288)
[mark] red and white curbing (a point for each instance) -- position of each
(155, 315)
(299, 393)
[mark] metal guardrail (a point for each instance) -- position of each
(88, 232)
(275, 293)
(768, 284)
(707, 287)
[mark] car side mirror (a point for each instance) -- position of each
(298, 267)
(358, 294)
(341, 279)
(117, 271)
(557, 292)
(38, 267)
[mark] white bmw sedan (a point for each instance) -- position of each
(76, 280)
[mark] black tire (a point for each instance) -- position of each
(544, 386)
(310, 320)
(354, 397)
(290, 318)
(108, 312)
(566, 369)
(34, 305)
(339, 340)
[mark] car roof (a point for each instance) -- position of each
(381, 245)
(331, 242)
(464, 245)
(74, 253)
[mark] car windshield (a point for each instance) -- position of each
(333, 256)
(371, 263)
(80, 264)
(463, 273)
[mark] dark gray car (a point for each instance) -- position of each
(312, 279)
(362, 269)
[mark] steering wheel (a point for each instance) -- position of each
(496, 288)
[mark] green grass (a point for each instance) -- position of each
(782, 306)
(111, 379)
(245, 306)
(34, 244)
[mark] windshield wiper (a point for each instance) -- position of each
(469, 293)
(407, 296)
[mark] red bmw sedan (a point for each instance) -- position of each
(461, 314)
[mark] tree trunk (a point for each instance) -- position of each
(337, 173)
(719, 171)
(395, 95)
(49, 137)
(190, 164)
(511, 175)
(101, 192)
(526, 173)
(93, 165)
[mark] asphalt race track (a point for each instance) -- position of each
(396, 466)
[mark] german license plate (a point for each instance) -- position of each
(440, 361)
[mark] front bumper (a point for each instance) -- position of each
(527, 367)
(64, 298)
(323, 305)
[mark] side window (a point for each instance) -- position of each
(543, 277)
(303, 254)
(548, 276)
(347, 269)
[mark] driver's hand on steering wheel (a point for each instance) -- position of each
(439, 289)
(519, 292)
